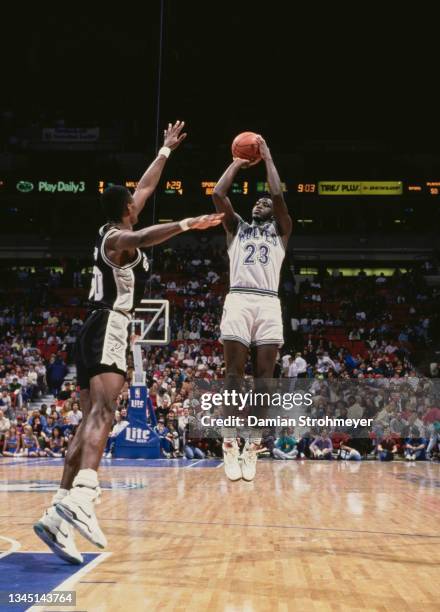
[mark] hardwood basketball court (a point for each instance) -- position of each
(303, 536)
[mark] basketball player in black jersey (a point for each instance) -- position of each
(101, 349)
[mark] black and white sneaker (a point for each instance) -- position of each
(58, 535)
(78, 509)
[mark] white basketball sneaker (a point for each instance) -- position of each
(78, 508)
(58, 535)
(231, 454)
(249, 461)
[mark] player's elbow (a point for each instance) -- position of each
(218, 195)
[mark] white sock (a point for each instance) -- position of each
(86, 478)
(59, 495)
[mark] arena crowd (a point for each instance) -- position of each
(362, 331)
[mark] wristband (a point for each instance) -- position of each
(184, 224)
(165, 151)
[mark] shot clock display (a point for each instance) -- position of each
(174, 187)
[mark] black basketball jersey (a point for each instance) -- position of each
(116, 287)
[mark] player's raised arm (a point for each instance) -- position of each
(173, 136)
(220, 195)
(280, 210)
(156, 234)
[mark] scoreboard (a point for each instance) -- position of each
(177, 187)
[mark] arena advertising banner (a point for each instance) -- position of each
(51, 187)
(70, 134)
(360, 188)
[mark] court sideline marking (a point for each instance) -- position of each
(69, 583)
(15, 546)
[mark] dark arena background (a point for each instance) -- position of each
(346, 105)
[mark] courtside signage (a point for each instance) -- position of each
(360, 188)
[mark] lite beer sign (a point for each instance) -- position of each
(137, 434)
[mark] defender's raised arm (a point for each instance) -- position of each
(173, 136)
(156, 234)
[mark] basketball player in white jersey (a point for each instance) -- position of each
(101, 350)
(252, 312)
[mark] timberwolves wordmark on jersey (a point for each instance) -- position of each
(256, 254)
(103, 341)
(252, 310)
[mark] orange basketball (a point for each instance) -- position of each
(245, 146)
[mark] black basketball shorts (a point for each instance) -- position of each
(101, 345)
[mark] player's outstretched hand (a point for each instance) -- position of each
(245, 163)
(264, 149)
(172, 136)
(206, 221)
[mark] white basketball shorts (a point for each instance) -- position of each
(252, 320)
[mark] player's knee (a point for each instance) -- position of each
(234, 376)
(104, 409)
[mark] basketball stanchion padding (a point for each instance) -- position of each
(149, 327)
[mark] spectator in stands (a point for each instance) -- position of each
(347, 452)
(301, 365)
(355, 410)
(413, 419)
(14, 388)
(322, 446)
(192, 449)
(415, 446)
(50, 424)
(56, 446)
(174, 438)
(66, 392)
(292, 369)
(66, 427)
(11, 442)
(30, 445)
(163, 404)
(325, 363)
(431, 415)
(5, 424)
(354, 335)
(119, 425)
(267, 443)
(6, 404)
(56, 373)
(75, 415)
(387, 447)
(398, 426)
(433, 449)
(166, 440)
(186, 421)
(43, 415)
(286, 445)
